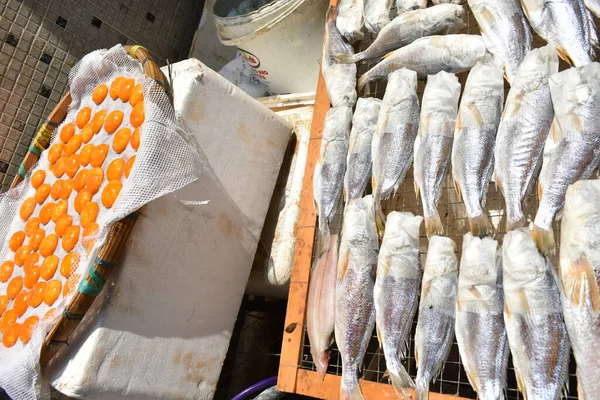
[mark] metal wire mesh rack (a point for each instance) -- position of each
(297, 371)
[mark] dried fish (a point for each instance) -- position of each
(377, 14)
(350, 19)
(403, 6)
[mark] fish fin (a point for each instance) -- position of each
(472, 377)
(344, 58)
(540, 191)
(458, 304)
(362, 81)
(379, 219)
(379, 338)
(580, 284)
(520, 384)
(507, 310)
(475, 292)
(481, 226)
(520, 223)
(457, 188)
(353, 394)
(563, 54)
(524, 302)
(386, 56)
(498, 182)
(321, 363)
(343, 265)
(476, 115)
(544, 239)
(433, 226)
(416, 189)
(401, 383)
(425, 289)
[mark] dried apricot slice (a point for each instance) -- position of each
(89, 214)
(14, 287)
(94, 180)
(72, 145)
(38, 178)
(52, 291)
(85, 153)
(60, 208)
(125, 89)
(16, 240)
(36, 294)
(35, 240)
(54, 152)
(48, 245)
(113, 121)
(6, 270)
(21, 253)
(71, 284)
(137, 115)
(67, 132)
(110, 193)
(46, 213)
(67, 189)
(31, 276)
(99, 93)
(70, 238)
(31, 260)
(121, 140)
(63, 222)
(136, 95)
(27, 208)
(115, 86)
(49, 267)
(83, 197)
(32, 225)
(21, 303)
(79, 180)
(135, 138)
(87, 133)
(98, 155)
(72, 165)
(10, 337)
(129, 166)
(114, 171)
(27, 328)
(9, 317)
(42, 192)
(59, 167)
(83, 117)
(56, 189)
(69, 264)
(3, 303)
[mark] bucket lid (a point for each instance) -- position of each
(242, 28)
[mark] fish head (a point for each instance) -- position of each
(441, 258)
(522, 263)
(452, 16)
(404, 226)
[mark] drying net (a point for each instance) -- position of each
(167, 159)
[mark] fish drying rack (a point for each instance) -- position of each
(297, 373)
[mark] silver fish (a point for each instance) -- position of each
(537, 335)
(433, 146)
(377, 14)
(364, 124)
(474, 139)
(320, 306)
(403, 6)
(410, 26)
(580, 276)
(505, 31)
(392, 146)
(593, 6)
(435, 327)
(565, 23)
(340, 79)
(480, 330)
(430, 55)
(355, 310)
(328, 178)
(523, 130)
(396, 293)
(576, 101)
(350, 19)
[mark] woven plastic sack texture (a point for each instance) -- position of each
(168, 158)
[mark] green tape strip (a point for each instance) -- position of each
(93, 284)
(74, 317)
(22, 171)
(35, 150)
(103, 263)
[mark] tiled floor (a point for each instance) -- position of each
(41, 40)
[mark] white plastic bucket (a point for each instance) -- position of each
(282, 41)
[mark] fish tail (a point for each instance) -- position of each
(344, 58)
(331, 14)
(481, 226)
(580, 284)
(379, 218)
(422, 394)
(362, 81)
(350, 389)
(401, 383)
(321, 362)
(433, 226)
(544, 239)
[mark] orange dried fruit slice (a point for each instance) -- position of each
(113, 121)
(125, 89)
(83, 197)
(98, 155)
(27, 328)
(56, 189)
(46, 213)
(72, 145)
(85, 153)
(67, 132)
(94, 180)
(99, 93)
(71, 284)
(114, 171)
(49, 314)
(8, 318)
(72, 165)
(137, 115)
(136, 95)
(20, 254)
(87, 133)
(36, 294)
(135, 138)
(60, 208)
(14, 287)
(6, 270)
(62, 224)
(48, 245)
(3, 303)
(67, 189)
(32, 276)
(49, 267)
(115, 86)
(90, 230)
(58, 169)
(16, 240)
(54, 152)
(31, 260)
(89, 214)
(121, 140)
(38, 178)
(110, 193)
(27, 208)
(10, 337)
(32, 225)
(35, 240)
(129, 166)
(98, 121)
(21, 303)
(70, 238)
(83, 117)
(52, 291)
(42, 192)
(69, 264)
(79, 180)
